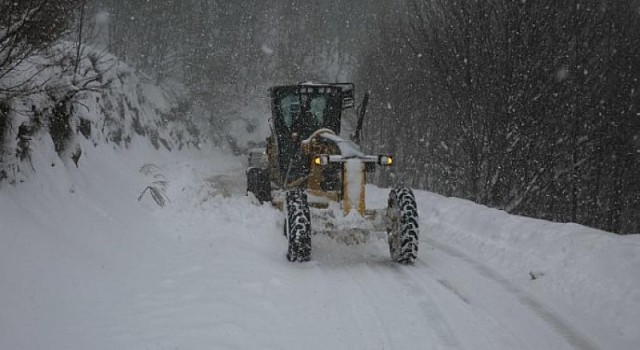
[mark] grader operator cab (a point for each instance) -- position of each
(318, 178)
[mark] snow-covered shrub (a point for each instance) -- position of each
(60, 126)
(158, 186)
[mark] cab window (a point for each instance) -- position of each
(290, 107)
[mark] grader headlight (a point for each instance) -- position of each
(322, 159)
(385, 160)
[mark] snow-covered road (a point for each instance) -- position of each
(88, 267)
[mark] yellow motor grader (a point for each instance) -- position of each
(318, 178)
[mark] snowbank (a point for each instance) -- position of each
(590, 275)
(76, 244)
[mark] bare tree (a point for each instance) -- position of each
(26, 28)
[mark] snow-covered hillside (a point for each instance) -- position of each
(84, 264)
(67, 111)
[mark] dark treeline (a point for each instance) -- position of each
(528, 106)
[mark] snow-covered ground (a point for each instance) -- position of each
(85, 265)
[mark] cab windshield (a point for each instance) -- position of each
(303, 109)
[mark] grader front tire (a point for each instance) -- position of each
(298, 226)
(403, 229)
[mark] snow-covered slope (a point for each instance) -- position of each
(85, 265)
(104, 101)
(589, 276)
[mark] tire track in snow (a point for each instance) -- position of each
(570, 335)
(352, 291)
(481, 329)
(399, 311)
(379, 318)
(429, 308)
(453, 290)
(374, 280)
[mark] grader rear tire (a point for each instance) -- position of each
(403, 229)
(259, 184)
